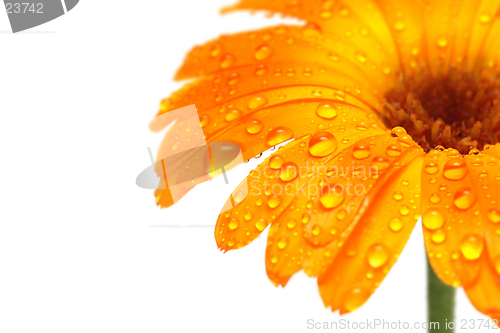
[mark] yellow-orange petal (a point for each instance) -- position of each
(272, 186)
(373, 247)
(450, 217)
(318, 228)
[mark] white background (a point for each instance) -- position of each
(80, 246)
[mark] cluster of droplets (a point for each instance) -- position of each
(464, 200)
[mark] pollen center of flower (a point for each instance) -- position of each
(458, 110)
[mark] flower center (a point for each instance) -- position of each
(457, 110)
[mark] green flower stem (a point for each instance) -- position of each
(440, 302)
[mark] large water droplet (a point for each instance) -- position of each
(248, 215)
(399, 25)
(435, 198)
(485, 18)
(274, 201)
(361, 57)
(276, 161)
(261, 224)
(361, 151)
(263, 52)
(234, 223)
(227, 61)
(278, 135)
(316, 230)
(380, 163)
(455, 169)
(311, 29)
(472, 246)
(282, 243)
(398, 196)
(332, 196)
(204, 120)
(377, 255)
(433, 219)
(257, 102)
(464, 198)
(260, 70)
(393, 150)
(255, 126)
(354, 299)
(291, 223)
(442, 42)
(493, 215)
(289, 171)
(431, 167)
(233, 114)
(438, 237)
(326, 111)
(396, 224)
(322, 144)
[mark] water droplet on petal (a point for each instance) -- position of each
(261, 224)
(361, 151)
(276, 161)
(393, 150)
(485, 18)
(316, 230)
(404, 210)
(442, 42)
(464, 198)
(279, 135)
(493, 215)
(435, 198)
(282, 243)
(326, 111)
(438, 237)
(433, 219)
(354, 299)
(289, 171)
(260, 70)
(455, 169)
(380, 163)
(233, 114)
(396, 224)
(397, 196)
(216, 50)
(334, 56)
(204, 120)
(257, 102)
(248, 215)
(472, 246)
(291, 223)
(399, 25)
(361, 57)
(332, 196)
(274, 201)
(377, 255)
(255, 126)
(317, 93)
(227, 61)
(234, 223)
(431, 167)
(311, 30)
(322, 144)
(263, 52)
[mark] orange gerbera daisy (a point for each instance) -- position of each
(393, 109)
